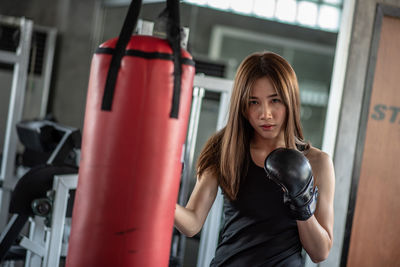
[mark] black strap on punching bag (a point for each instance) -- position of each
(119, 51)
(174, 39)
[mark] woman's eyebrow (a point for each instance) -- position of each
(273, 95)
(270, 96)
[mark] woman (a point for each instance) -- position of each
(258, 228)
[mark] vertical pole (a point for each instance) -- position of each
(14, 115)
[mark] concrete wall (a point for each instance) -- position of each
(349, 116)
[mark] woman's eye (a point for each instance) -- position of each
(253, 102)
(276, 100)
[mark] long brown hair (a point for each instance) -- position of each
(226, 154)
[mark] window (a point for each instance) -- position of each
(317, 14)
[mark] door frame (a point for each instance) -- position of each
(381, 11)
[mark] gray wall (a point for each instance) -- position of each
(349, 116)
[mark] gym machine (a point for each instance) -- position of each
(42, 195)
(26, 61)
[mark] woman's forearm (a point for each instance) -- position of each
(190, 219)
(186, 221)
(315, 239)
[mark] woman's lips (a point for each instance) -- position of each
(267, 127)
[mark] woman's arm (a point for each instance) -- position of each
(190, 219)
(316, 233)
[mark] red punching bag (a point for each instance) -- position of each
(134, 129)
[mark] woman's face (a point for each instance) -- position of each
(266, 112)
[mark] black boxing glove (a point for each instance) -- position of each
(291, 170)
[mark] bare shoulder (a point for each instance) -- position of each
(317, 157)
(321, 164)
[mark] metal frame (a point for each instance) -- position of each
(61, 185)
(35, 244)
(381, 11)
(201, 84)
(211, 228)
(220, 32)
(44, 245)
(198, 94)
(20, 61)
(210, 232)
(48, 65)
(188, 155)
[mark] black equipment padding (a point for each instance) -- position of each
(35, 184)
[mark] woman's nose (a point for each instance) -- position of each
(265, 112)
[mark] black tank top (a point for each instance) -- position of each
(258, 230)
